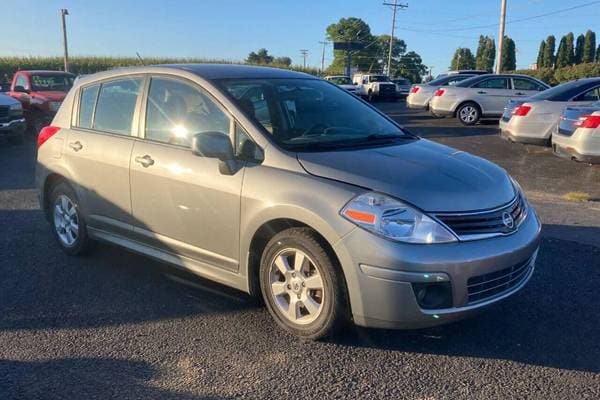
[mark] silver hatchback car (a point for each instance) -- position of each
(288, 187)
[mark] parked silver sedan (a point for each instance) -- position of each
(421, 94)
(482, 96)
(533, 120)
(578, 134)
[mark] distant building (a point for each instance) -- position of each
(533, 66)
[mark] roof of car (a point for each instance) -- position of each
(236, 71)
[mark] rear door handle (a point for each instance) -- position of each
(520, 94)
(145, 160)
(76, 145)
(482, 92)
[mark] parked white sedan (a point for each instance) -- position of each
(577, 135)
(421, 94)
(533, 120)
(482, 96)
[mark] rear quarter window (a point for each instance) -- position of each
(87, 103)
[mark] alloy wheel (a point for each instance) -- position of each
(296, 286)
(66, 220)
(468, 114)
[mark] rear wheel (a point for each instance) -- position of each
(69, 228)
(302, 286)
(468, 113)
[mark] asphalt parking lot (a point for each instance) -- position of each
(117, 325)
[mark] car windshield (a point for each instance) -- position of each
(340, 80)
(47, 83)
(311, 115)
(379, 78)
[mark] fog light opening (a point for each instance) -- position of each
(433, 295)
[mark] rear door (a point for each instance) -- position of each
(98, 149)
(492, 94)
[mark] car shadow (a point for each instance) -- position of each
(88, 378)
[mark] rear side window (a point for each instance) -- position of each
(116, 106)
(87, 104)
(590, 95)
(492, 83)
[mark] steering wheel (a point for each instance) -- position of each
(314, 127)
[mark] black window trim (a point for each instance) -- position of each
(136, 112)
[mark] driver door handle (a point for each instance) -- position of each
(145, 160)
(519, 93)
(482, 92)
(76, 146)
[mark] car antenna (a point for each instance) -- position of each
(140, 58)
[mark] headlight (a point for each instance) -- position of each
(55, 105)
(16, 107)
(395, 220)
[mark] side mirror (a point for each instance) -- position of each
(21, 89)
(215, 145)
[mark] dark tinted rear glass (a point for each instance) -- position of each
(449, 78)
(566, 91)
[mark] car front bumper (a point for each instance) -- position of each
(381, 274)
(14, 127)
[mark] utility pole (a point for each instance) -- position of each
(324, 43)
(304, 53)
(64, 12)
(501, 37)
(395, 6)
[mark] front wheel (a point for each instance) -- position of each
(468, 114)
(302, 286)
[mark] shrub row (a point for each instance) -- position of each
(90, 65)
(561, 75)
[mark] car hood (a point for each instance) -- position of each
(431, 176)
(50, 96)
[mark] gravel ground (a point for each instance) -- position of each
(118, 325)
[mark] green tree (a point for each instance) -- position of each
(462, 59)
(540, 57)
(283, 61)
(380, 50)
(260, 57)
(598, 54)
(357, 31)
(509, 55)
(486, 53)
(549, 52)
(589, 47)
(565, 55)
(579, 49)
(411, 67)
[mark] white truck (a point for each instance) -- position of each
(372, 86)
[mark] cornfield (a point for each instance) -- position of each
(90, 65)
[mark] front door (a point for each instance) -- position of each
(181, 203)
(98, 150)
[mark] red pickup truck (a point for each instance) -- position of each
(41, 94)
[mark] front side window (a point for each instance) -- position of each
(492, 83)
(310, 114)
(177, 111)
(51, 83)
(116, 106)
(87, 104)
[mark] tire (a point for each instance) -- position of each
(314, 288)
(468, 113)
(370, 97)
(65, 216)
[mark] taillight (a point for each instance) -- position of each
(588, 121)
(522, 110)
(439, 92)
(414, 89)
(46, 133)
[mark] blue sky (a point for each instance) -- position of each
(229, 29)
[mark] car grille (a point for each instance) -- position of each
(483, 287)
(495, 222)
(4, 113)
